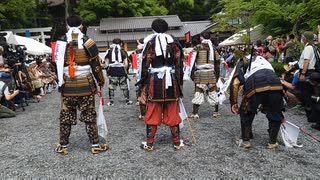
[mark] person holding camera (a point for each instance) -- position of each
(307, 67)
(6, 95)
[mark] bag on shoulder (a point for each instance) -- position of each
(317, 55)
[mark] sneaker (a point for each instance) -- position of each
(244, 144)
(61, 149)
(194, 116)
(179, 146)
(141, 117)
(96, 149)
(128, 102)
(146, 147)
(298, 106)
(216, 114)
(110, 104)
(272, 146)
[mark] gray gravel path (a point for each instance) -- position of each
(27, 142)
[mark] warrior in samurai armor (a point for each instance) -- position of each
(117, 67)
(162, 75)
(81, 67)
(136, 61)
(205, 63)
(262, 90)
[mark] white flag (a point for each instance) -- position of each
(182, 113)
(101, 121)
(59, 57)
(289, 133)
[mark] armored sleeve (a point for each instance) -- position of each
(234, 90)
(97, 70)
(125, 59)
(217, 64)
(146, 60)
(179, 64)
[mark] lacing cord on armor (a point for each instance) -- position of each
(164, 71)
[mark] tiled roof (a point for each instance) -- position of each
(256, 33)
(197, 27)
(133, 28)
(126, 23)
(96, 35)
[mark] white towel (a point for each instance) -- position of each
(75, 30)
(211, 55)
(161, 40)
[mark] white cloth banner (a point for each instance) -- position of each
(101, 121)
(290, 133)
(139, 63)
(188, 69)
(182, 113)
(223, 87)
(59, 57)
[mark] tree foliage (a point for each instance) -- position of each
(34, 13)
(277, 16)
(16, 13)
(93, 10)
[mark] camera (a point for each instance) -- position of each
(15, 54)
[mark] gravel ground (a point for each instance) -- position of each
(28, 140)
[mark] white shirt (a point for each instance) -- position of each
(307, 53)
(6, 91)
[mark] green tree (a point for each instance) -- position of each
(17, 13)
(183, 8)
(93, 10)
(277, 16)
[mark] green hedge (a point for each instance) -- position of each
(278, 68)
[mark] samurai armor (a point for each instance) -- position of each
(81, 58)
(79, 86)
(260, 81)
(204, 77)
(157, 91)
(91, 48)
(202, 57)
(116, 71)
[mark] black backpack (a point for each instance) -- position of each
(317, 56)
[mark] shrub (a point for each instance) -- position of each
(278, 68)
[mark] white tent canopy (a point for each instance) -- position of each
(255, 34)
(33, 47)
